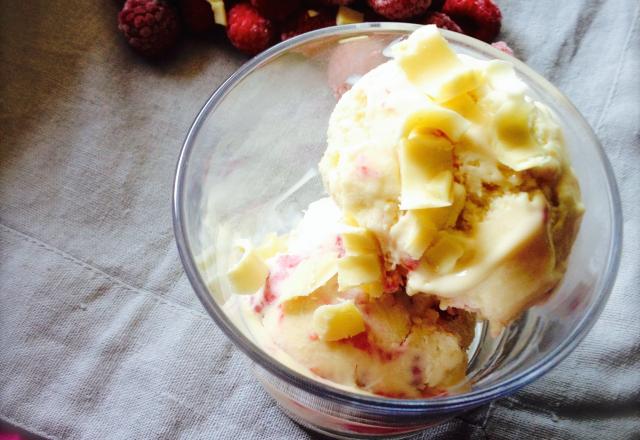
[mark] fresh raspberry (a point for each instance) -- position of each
(399, 9)
(443, 21)
(197, 15)
(479, 18)
(307, 21)
(503, 47)
(278, 10)
(249, 31)
(151, 27)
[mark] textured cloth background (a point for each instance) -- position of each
(101, 336)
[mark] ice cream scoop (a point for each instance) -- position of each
(459, 173)
(451, 199)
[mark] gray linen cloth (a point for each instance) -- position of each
(101, 335)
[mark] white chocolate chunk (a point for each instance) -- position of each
(308, 276)
(443, 76)
(356, 270)
(416, 229)
(435, 119)
(445, 253)
(373, 290)
(273, 244)
(414, 232)
(447, 217)
(249, 273)
(501, 76)
(357, 241)
(348, 16)
(426, 172)
(515, 145)
(338, 321)
(219, 12)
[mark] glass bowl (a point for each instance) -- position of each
(249, 167)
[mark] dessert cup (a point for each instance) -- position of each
(248, 167)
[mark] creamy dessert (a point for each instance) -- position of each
(451, 200)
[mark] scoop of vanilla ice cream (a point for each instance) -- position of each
(392, 345)
(459, 173)
(451, 197)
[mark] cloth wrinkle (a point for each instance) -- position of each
(157, 297)
(616, 78)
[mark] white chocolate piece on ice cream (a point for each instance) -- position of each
(338, 321)
(360, 265)
(308, 276)
(443, 76)
(248, 275)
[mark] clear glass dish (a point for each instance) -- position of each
(248, 167)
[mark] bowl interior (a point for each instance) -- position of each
(249, 167)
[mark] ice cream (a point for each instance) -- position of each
(455, 168)
(451, 199)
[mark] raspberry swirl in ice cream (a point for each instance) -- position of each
(451, 199)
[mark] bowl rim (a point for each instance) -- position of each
(383, 404)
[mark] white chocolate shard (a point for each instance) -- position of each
(219, 12)
(426, 172)
(347, 15)
(249, 274)
(338, 321)
(502, 76)
(356, 270)
(308, 276)
(357, 241)
(444, 76)
(413, 233)
(417, 229)
(445, 253)
(436, 120)
(360, 266)
(273, 245)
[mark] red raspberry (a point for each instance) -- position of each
(479, 18)
(249, 31)
(197, 15)
(399, 9)
(307, 21)
(443, 21)
(503, 47)
(277, 10)
(151, 27)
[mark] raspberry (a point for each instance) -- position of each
(503, 47)
(399, 9)
(249, 31)
(197, 15)
(151, 27)
(479, 18)
(277, 10)
(443, 21)
(307, 21)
